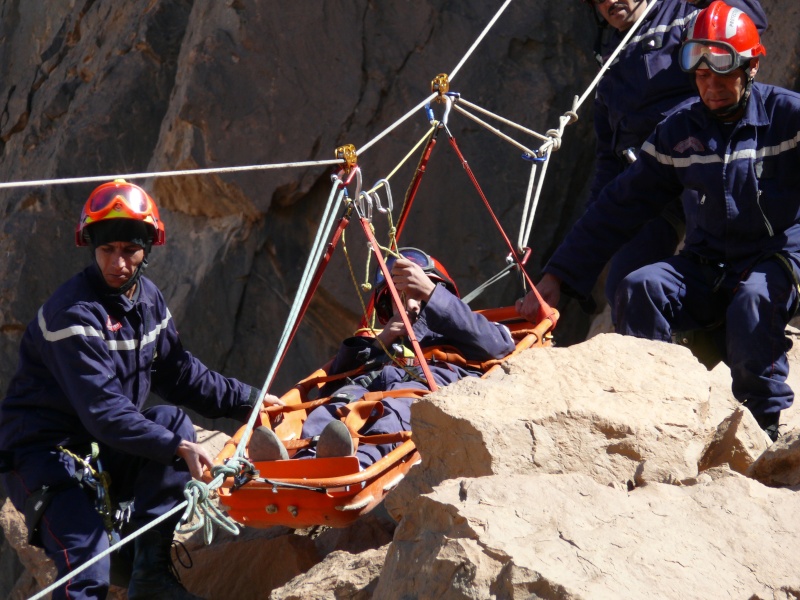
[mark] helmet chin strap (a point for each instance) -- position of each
(128, 285)
(728, 111)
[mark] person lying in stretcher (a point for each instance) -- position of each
(438, 317)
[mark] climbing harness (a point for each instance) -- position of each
(97, 481)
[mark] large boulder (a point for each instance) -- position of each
(567, 536)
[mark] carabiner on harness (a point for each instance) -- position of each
(99, 482)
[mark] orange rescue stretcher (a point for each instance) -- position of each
(334, 491)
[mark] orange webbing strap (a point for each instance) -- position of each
(301, 390)
(384, 438)
(357, 414)
(379, 438)
(370, 407)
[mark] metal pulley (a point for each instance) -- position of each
(440, 85)
(347, 153)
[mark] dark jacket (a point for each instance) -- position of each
(443, 321)
(747, 179)
(645, 84)
(87, 364)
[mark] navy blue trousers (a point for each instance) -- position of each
(754, 304)
(396, 417)
(71, 530)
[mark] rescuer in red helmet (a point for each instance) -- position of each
(643, 85)
(438, 317)
(737, 274)
(80, 455)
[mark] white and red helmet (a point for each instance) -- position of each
(721, 38)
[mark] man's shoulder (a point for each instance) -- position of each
(150, 292)
(691, 115)
(775, 94)
(77, 292)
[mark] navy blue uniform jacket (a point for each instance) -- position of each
(87, 364)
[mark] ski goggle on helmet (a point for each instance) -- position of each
(119, 199)
(432, 268)
(722, 38)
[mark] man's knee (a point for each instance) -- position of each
(629, 291)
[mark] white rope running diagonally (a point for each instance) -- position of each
(607, 65)
(108, 551)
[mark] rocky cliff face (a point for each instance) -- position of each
(96, 88)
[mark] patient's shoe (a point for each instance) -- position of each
(265, 445)
(335, 440)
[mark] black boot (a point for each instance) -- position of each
(769, 423)
(153, 576)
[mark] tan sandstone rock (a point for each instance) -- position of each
(621, 410)
(569, 537)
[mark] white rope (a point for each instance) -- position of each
(494, 130)
(108, 551)
(475, 107)
(45, 182)
(524, 230)
(540, 184)
(607, 65)
(386, 131)
(491, 281)
(479, 39)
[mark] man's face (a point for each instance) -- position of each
(721, 91)
(620, 14)
(118, 261)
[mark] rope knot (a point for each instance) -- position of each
(572, 115)
(197, 490)
(555, 135)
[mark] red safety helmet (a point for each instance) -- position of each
(432, 267)
(721, 37)
(119, 199)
